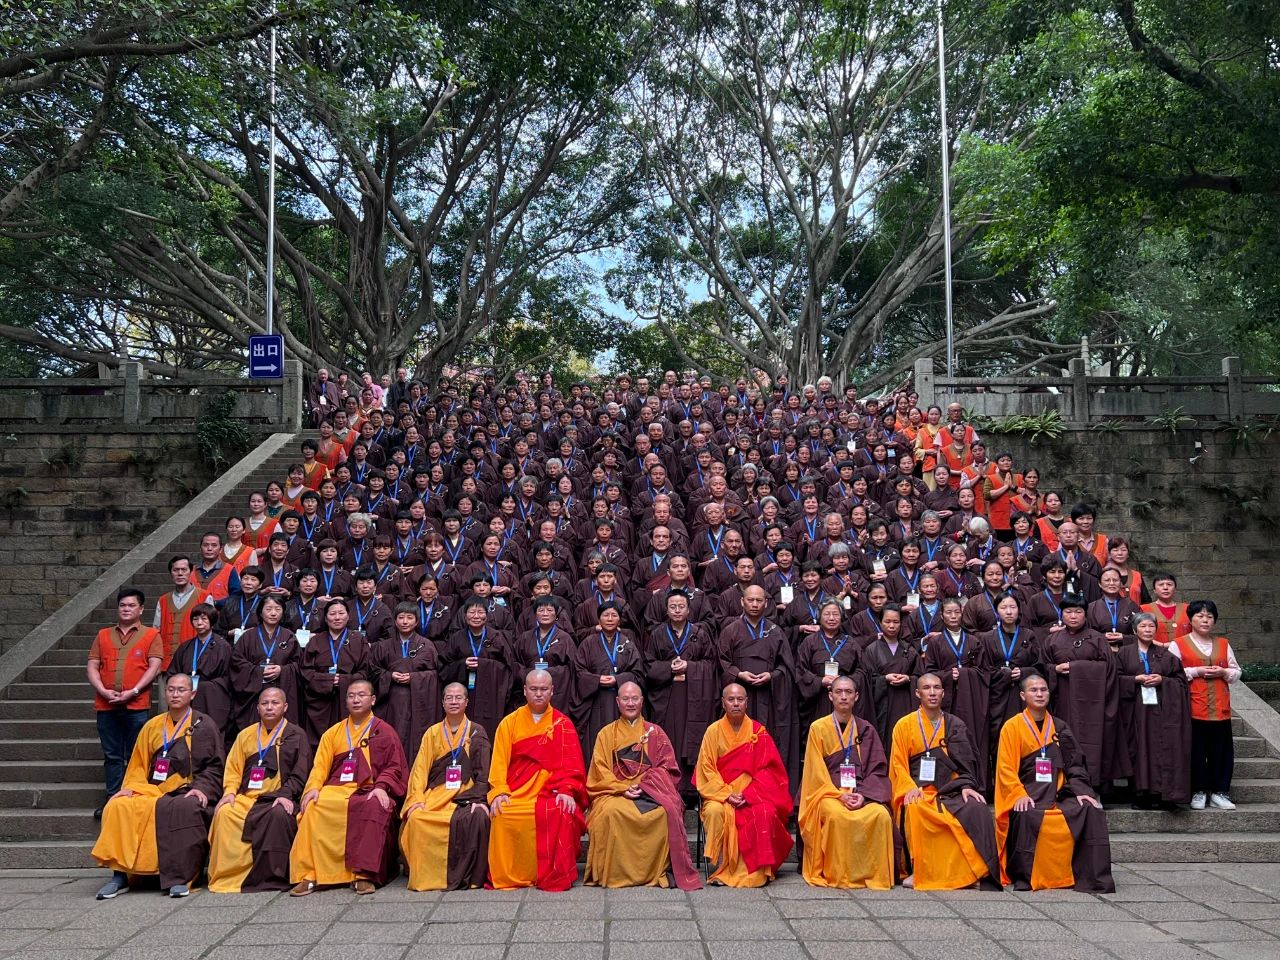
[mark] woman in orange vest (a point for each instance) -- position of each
(927, 445)
(956, 455)
(1211, 668)
(1131, 581)
(1171, 616)
(1047, 526)
(998, 490)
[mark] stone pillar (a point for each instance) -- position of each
(923, 378)
(132, 371)
(1231, 369)
(291, 397)
(1079, 390)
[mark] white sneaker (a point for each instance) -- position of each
(1220, 801)
(1197, 801)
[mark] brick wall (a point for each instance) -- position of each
(72, 505)
(1215, 523)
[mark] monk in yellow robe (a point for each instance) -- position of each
(445, 837)
(1050, 827)
(946, 824)
(347, 830)
(537, 791)
(158, 823)
(844, 799)
(746, 798)
(256, 820)
(636, 820)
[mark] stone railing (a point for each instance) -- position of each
(1081, 398)
(134, 401)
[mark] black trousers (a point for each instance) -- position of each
(1213, 756)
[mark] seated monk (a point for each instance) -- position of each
(445, 837)
(1050, 827)
(745, 794)
(844, 799)
(636, 821)
(537, 789)
(947, 827)
(158, 823)
(347, 830)
(257, 818)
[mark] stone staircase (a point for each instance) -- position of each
(48, 738)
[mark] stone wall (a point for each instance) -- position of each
(1214, 522)
(72, 504)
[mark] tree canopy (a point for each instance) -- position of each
(727, 185)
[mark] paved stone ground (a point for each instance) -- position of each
(1160, 912)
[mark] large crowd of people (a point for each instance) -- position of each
(471, 625)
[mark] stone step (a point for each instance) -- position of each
(51, 796)
(63, 657)
(1196, 848)
(1248, 817)
(1246, 790)
(79, 770)
(33, 728)
(1247, 747)
(57, 673)
(46, 709)
(72, 823)
(70, 748)
(1257, 768)
(71, 692)
(47, 855)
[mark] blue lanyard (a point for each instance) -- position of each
(262, 639)
(542, 646)
(328, 579)
(927, 624)
(714, 542)
(197, 649)
(454, 552)
(611, 651)
(1056, 609)
(813, 608)
(471, 640)
(164, 750)
(404, 646)
(403, 547)
(252, 608)
(684, 639)
(958, 650)
(495, 573)
(425, 613)
(1042, 740)
(1113, 608)
(362, 617)
(757, 634)
(277, 576)
(930, 548)
(928, 741)
(1009, 647)
(304, 611)
(832, 654)
(853, 737)
(334, 651)
(351, 747)
(462, 740)
(913, 583)
(1146, 664)
(262, 751)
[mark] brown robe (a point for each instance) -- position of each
(559, 653)
(1088, 699)
(1005, 696)
(886, 703)
(248, 657)
(968, 697)
(411, 708)
(371, 848)
(468, 859)
(811, 657)
(268, 829)
(773, 703)
(182, 824)
(213, 688)
(491, 690)
(595, 707)
(1158, 734)
(682, 709)
(326, 701)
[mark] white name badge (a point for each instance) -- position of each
(831, 668)
(787, 593)
(1150, 697)
(257, 776)
(846, 602)
(848, 776)
(1044, 770)
(161, 772)
(928, 769)
(892, 451)
(913, 599)
(195, 682)
(877, 566)
(347, 772)
(453, 777)
(303, 637)
(540, 665)
(236, 634)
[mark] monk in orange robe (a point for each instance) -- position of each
(347, 832)
(945, 822)
(1050, 827)
(537, 793)
(746, 799)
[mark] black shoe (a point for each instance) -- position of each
(97, 813)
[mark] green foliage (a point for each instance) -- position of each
(1171, 420)
(66, 458)
(1247, 435)
(1042, 427)
(220, 439)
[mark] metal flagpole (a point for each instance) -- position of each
(271, 188)
(946, 193)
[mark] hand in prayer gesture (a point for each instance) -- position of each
(632, 792)
(853, 801)
(736, 800)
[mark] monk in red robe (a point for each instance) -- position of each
(746, 799)
(347, 832)
(537, 792)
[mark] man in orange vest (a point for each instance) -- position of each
(123, 661)
(173, 609)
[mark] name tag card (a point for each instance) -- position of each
(453, 777)
(257, 776)
(236, 634)
(831, 669)
(877, 566)
(347, 772)
(1044, 770)
(1150, 696)
(161, 771)
(846, 602)
(848, 776)
(787, 593)
(303, 637)
(928, 769)
(913, 599)
(540, 665)
(195, 682)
